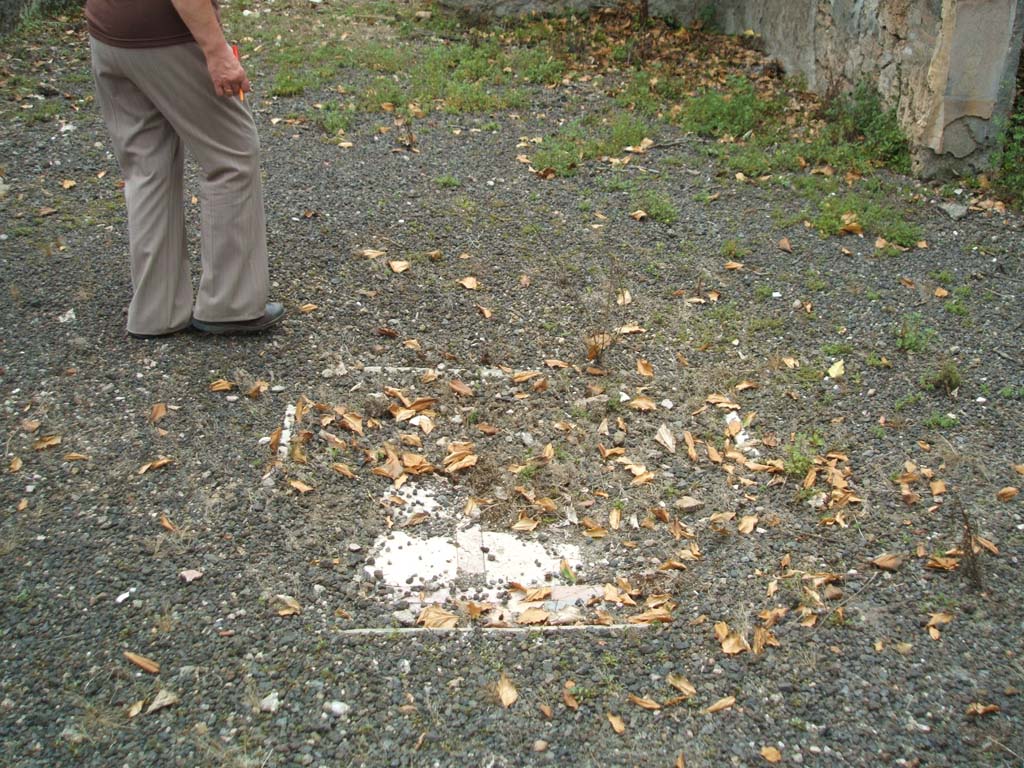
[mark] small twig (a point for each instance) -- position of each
(1000, 744)
(1009, 357)
(972, 566)
(670, 144)
(844, 603)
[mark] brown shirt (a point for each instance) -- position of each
(136, 23)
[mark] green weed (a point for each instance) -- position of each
(288, 84)
(939, 421)
(447, 181)
(801, 452)
(333, 119)
(836, 349)
(733, 249)
(860, 121)
(1009, 160)
(945, 378)
(736, 111)
(906, 401)
(589, 139)
(43, 112)
(956, 307)
(658, 206)
(910, 336)
(874, 212)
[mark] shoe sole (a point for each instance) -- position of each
(223, 329)
(188, 327)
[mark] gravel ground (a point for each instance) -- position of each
(767, 576)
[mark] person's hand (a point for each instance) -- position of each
(226, 73)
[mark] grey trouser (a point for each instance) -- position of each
(152, 100)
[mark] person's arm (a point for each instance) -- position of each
(226, 72)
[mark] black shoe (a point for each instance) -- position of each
(271, 316)
(186, 327)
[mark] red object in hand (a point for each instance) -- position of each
(241, 93)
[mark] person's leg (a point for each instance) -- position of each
(222, 136)
(150, 156)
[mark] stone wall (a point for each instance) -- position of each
(948, 66)
(11, 10)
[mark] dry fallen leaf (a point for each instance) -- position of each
(307, 308)
(784, 245)
(15, 465)
(143, 663)
(615, 518)
(190, 575)
(157, 413)
(163, 461)
(732, 642)
(470, 283)
(398, 267)
(939, 563)
(525, 523)
(644, 703)
(978, 709)
(459, 388)
(887, 561)
(533, 616)
(435, 617)
(617, 725)
(721, 704)
(46, 441)
(665, 438)
(1008, 493)
(681, 684)
(300, 486)
(257, 389)
(222, 385)
(163, 699)
(506, 691)
(568, 699)
(642, 404)
(659, 614)
(771, 754)
(747, 523)
(343, 470)
(285, 605)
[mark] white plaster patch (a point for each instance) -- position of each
(484, 562)
(407, 561)
(286, 432)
